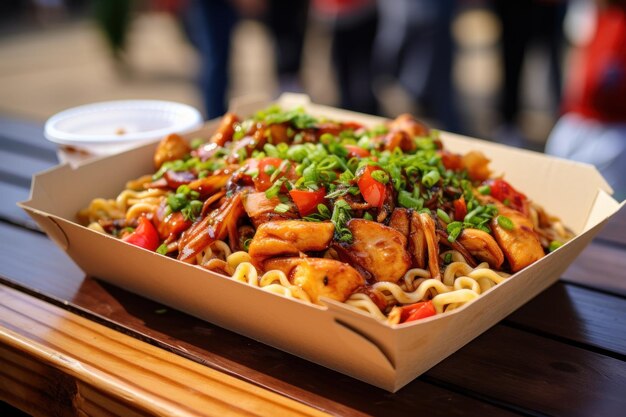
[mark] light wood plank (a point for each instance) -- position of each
(130, 372)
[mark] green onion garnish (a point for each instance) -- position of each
(443, 216)
(281, 208)
(505, 222)
(554, 245)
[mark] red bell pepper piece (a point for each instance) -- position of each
(417, 311)
(263, 180)
(373, 191)
(357, 151)
(460, 209)
(509, 196)
(307, 201)
(145, 235)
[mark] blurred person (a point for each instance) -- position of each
(414, 46)
(210, 24)
(113, 17)
(352, 25)
(593, 126)
(524, 21)
(287, 22)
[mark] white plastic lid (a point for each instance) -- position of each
(113, 126)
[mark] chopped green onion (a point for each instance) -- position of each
(196, 143)
(281, 208)
(380, 176)
(253, 173)
(454, 229)
(269, 169)
(162, 249)
(274, 189)
(323, 210)
(284, 167)
(443, 216)
(270, 150)
(177, 201)
(183, 189)
(339, 192)
(341, 215)
(554, 245)
(405, 199)
(484, 189)
(505, 222)
(196, 206)
(431, 178)
(327, 138)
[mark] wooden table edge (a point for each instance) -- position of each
(50, 357)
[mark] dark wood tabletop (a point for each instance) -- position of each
(562, 354)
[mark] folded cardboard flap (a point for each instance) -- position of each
(604, 207)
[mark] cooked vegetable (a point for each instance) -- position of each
(145, 235)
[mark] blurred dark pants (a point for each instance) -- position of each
(209, 25)
(415, 46)
(351, 53)
(524, 21)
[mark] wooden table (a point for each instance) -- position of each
(73, 345)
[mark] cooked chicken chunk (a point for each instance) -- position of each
(171, 148)
(319, 277)
(378, 249)
(289, 238)
(424, 241)
(520, 245)
(483, 246)
(409, 224)
(225, 130)
(260, 209)
(408, 124)
(477, 165)
(400, 218)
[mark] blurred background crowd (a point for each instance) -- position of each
(539, 74)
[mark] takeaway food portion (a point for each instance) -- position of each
(382, 218)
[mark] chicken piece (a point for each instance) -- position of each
(225, 130)
(171, 148)
(217, 225)
(408, 124)
(260, 209)
(474, 162)
(417, 241)
(209, 185)
(289, 238)
(399, 139)
(477, 165)
(378, 249)
(400, 220)
(423, 229)
(408, 223)
(483, 246)
(279, 133)
(319, 277)
(521, 245)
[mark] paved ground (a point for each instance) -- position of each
(47, 69)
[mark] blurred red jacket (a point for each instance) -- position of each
(598, 81)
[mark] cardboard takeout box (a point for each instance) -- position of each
(336, 336)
